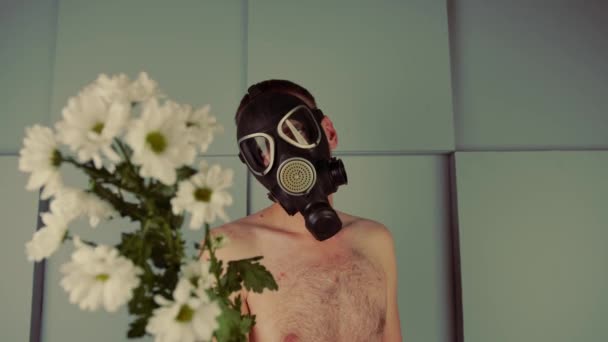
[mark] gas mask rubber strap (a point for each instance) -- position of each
(318, 114)
(254, 90)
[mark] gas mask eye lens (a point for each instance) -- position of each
(294, 130)
(299, 128)
(258, 152)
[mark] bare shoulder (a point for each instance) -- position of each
(241, 240)
(365, 229)
(369, 236)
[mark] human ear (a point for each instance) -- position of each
(330, 132)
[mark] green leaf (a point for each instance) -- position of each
(165, 191)
(142, 302)
(124, 208)
(216, 267)
(128, 177)
(170, 277)
(137, 328)
(185, 172)
(176, 221)
(237, 302)
(254, 275)
(231, 281)
(158, 255)
(229, 325)
(247, 322)
(130, 245)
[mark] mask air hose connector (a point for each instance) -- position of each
(337, 172)
(321, 220)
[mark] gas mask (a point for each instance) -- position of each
(281, 141)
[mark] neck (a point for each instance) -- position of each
(276, 216)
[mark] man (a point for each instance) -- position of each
(336, 273)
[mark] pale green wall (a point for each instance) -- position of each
(533, 245)
(27, 39)
(530, 74)
(379, 69)
(406, 83)
(18, 209)
(531, 78)
(27, 42)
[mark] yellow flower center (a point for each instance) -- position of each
(203, 194)
(157, 141)
(56, 158)
(194, 280)
(97, 128)
(185, 314)
(102, 277)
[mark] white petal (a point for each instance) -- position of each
(182, 290)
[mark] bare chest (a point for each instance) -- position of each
(333, 296)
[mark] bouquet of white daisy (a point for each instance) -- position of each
(136, 147)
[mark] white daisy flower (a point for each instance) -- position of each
(99, 276)
(186, 318)
(197, 271)
(201, 127)
(71, 203)
(96, 208)
(40, 156)
(179, 111)
(143, 88)
(66, 203)
(203, 195)
(47, 239)
(90, 124)
(159, 142)
(115, 88)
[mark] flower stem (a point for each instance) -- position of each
(215, 268)
(122, 148)
(91, 171)
(139, 184)
(126, 209)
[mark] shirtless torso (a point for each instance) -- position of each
(328, 291)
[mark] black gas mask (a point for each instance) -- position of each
(284, 146)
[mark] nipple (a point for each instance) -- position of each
(291, 338)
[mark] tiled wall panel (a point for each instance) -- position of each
(27, 43)
(533, 245)
(380, 70)
(18, 210)
(529, 75)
